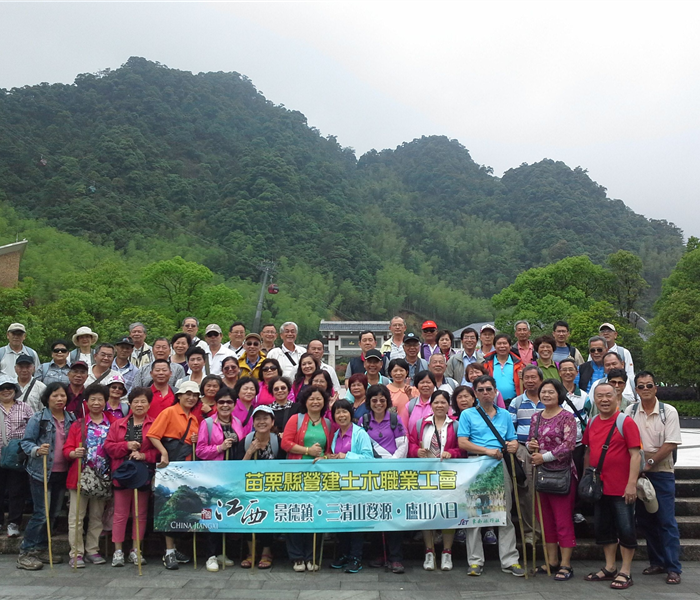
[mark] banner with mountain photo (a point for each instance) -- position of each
(279, 496)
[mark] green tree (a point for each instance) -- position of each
(628, 284)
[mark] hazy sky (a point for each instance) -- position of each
(613, 87)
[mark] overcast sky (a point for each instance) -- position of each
(613, 87)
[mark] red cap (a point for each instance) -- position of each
(429, 324)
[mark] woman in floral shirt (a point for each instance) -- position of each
(552, 441)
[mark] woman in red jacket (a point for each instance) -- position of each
(307, 435)
(127, 440)
(435, 436)
(86, 439)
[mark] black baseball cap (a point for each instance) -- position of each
(411, 337)
(373, 353)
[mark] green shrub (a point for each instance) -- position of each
(686, 408)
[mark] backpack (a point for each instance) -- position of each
(662, 415)
(300, 420)
(619, 423)
(393, 420)
(455, 426)
(274, 442)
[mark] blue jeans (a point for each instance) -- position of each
(660, 528)
(614, 522)
(35, 537)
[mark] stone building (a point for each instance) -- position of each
(10, 257)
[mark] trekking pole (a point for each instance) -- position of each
(194, 535)
(313, 561)
(520, 515)
(320, 556)
(252, 550)
(544, 539)
(533, 570)
(46, 509)
(77, 512)
(223, 538)
(386, 568)
(136, 523)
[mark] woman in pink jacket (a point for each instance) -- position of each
(435, 436)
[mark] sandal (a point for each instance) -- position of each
(673, 578)
(265, 561)
(626, 582)
(607, 575)
(543, 569)
(247, 563)
(653, 571)
(564, 574)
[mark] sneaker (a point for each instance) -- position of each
(12, 530)
(446, 563)
(183, 559)
(312, 567)
(134, 557)
(170, 562)
(340, 562)
(212, 564)
(43, 556)
(379, 563)
(461, 536)
(221, 559)
(29, 562)
(578, 519)
(515, 569)
(490, 538)
(353, 566)
(429, 562)
(397, 568)
(95, 559)
(118, 558)
(475, 570)
(299, 566)
(77, 562)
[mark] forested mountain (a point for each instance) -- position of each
(162, 162)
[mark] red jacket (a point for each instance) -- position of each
(517, 367)
(115, 445)
(292, 435)
(415, 435)
(75, 437)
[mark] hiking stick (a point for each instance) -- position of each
(46, 508)
(544, 539)
(517, 505)
(136, 523)
(77, 512)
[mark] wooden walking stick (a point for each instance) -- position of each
(517, 505)
(534, 520)
(194, 535)
(138, 536)
(252, 550)
(544, 539)
(313, 561)
(77, 511)
(46, 509)
(223, 540)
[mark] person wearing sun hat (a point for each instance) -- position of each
(16, 334)
(83, 340)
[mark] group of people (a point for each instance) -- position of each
(116, 412)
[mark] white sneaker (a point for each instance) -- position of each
(118, 558)
(212, 564)
(299, 566)
(12, 530)
(429, 562)
(134, 557)
(312, 567)
(446, 564)
(221, 558)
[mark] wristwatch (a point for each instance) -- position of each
(651, 462)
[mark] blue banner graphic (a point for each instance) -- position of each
(279, 496)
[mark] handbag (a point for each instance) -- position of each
(590, 488)
(93, 483)
(177, 448)
(520, 477)
(12, 456)
(551, 481)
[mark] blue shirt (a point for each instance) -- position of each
(598, 373)
(503, 374)
(473, 426)
(521, 410)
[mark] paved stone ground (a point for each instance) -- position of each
(281, 583)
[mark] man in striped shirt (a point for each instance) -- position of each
(521, 410)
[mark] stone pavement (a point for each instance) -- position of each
(281, 583)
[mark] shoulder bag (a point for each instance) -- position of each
(520, 476)
(93, 483)
(177, 448)
(551, 481)
(590, 488)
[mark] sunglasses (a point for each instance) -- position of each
(488, 389)
(430, 330)
(230, 368)
(213, 334)
(60, 350)
(268, 369)
(280, 389)
(378, 400)
(616, 382)
(646, 386)
(254, 343)
(222, 402)
(596, 350)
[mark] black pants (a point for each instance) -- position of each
(350, 544)
(13, 484)
(300, 546)
(394, 545)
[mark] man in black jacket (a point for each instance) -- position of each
(593, 369)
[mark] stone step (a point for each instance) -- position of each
(687, 472)
(686, 507)
(687, 488)
(688, 527)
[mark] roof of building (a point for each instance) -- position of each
(354, 326)
(14, 247)
(477, 326)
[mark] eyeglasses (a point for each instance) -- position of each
(190, 326)
(60, 350)
(254, 343)
(596, 350)
(646, 386)
(616, 382)
(280, 389)
(488, 389)
(222, 402)
(231, 368)
(378, 401)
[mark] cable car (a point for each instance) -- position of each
(273, 288)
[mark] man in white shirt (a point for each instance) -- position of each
(190, 326)
(457, 365)
(236, 337)
(30, 387)
(608, 331)
(102, 369)
(215, 351)
(394, 345)
(316, 349)
(160, 351)
(289, 353)
(141, 354)
(16, 334)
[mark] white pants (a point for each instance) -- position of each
(506, 534)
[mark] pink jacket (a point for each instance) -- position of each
(206, 447)
(415, 436)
